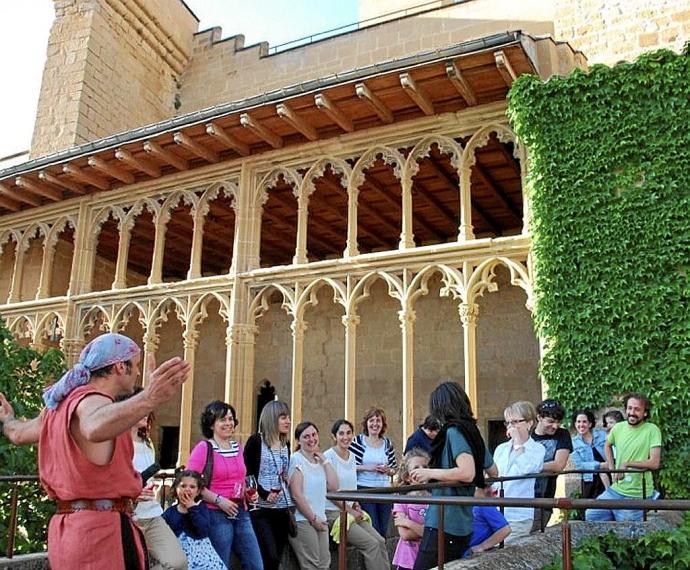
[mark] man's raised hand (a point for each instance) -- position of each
(164, 381)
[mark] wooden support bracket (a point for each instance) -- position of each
(383, 112)
(127, 157)
(110, 170)
(289, 116)
(334, 113)
(200, 150)
(165, 156)
(504, 68)
(38, 188)
(460, 83)
(46, 176)
(86, 177)
(415, 93)
(227, 139)
(259, 130)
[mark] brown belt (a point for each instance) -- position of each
(121, 505)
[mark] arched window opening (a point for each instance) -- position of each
(279, 225)
(327, 219)
(140, 256)
(435, 199)
(31, 267)
(106, 255)
(7, 259)
(496, 190)
(62, 262)
(219, 237)
(178, 243)
(379, 209)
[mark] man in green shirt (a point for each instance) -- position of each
(638, 446)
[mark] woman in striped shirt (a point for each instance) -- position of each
(376, 463)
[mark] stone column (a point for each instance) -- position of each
(197, 242)
(120, 281)
(16, 287)
(407, 318)
(465, 231)
(299, 327)
(302, 223)
(190, 341)
(468, 315)
(159, 248)
(351, 249)
(49, 244)
(407, 234)
(71, 348)
(239, 372)
(350, 322)
(150, 341)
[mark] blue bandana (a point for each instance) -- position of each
(102, 351)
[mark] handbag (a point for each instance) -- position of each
(292, 521)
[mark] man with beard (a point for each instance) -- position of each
(638, 446)
(558, 445)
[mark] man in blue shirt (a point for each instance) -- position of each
(424, 436)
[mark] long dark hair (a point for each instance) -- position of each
(449, 403)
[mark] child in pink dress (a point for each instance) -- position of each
(409, 518)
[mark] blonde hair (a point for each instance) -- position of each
(404, 471)
(522, 409)
(268, 422)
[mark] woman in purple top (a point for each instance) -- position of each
(231, 529)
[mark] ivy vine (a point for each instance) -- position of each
(609, 186)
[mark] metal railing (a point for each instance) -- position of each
(15, 481)
(399, 495)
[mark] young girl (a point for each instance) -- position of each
(189, 520)
(409, 518)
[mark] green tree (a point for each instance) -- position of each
(24, 372)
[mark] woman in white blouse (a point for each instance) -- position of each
(310, 477)
(520, 455)
(360, 534)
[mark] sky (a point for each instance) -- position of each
(25, 27)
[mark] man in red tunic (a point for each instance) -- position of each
(85, 452)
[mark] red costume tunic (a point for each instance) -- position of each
(88, 540)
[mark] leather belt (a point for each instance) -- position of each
(121, 505)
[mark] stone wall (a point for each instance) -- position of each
(507, 355)
(113, 66)
(31, 274)
(7, 256)
(62, 268)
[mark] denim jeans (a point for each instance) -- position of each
(235, 535)
(380, 514)
(619, 515)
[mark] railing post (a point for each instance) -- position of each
(644, 494)
(565, 540)
(441, 538)
(342, 547)
(12, 529)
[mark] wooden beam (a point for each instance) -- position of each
(165, 156)
(46, 176)
(38, 188)
(504, 68)
(416, 93)
(491, 185)
(86, 177)
(289, 116)
(227, 139)
(364, 93)
(9, 203)
(260, 131)
(427, 195)
(25, 197)
(460, 83)
(333, 112)
(482, 213)
(111, 170)
(127, 157)
(193, 146)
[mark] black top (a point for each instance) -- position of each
(546, 486)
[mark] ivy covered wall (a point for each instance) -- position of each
(610, 190)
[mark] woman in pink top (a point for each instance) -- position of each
(231, 528)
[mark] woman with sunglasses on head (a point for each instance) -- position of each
(267, 457)
(231, 529)
(520, 455)
(311, 476)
